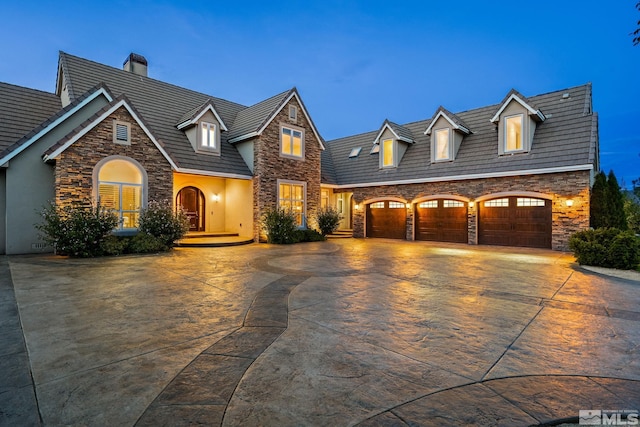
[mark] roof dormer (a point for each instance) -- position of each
(202, 126)
(516, 120)
(392, 140)
(447, 131)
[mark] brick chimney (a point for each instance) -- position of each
(136, 64)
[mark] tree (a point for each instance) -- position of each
(636, 33)
(615, 203)
(599, 214)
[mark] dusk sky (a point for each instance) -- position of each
(354, 63)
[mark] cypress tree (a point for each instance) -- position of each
(598, 213)
(615, 203)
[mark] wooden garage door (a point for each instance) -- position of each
(515, 221)
(442, 220)
(387, 219)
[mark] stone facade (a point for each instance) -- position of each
(75, 166)
(270, 166)
(559, 186)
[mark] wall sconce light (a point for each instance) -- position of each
(408, 205)
(569, 202)
(215, 197)
(357, 206)
(471, 203)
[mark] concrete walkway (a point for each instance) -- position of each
(347, 332)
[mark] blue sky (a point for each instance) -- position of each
(354, 63)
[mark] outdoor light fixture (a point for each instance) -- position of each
(357, 206)
(569, 202)
(215, 197)
(471, 203)
(408, 205)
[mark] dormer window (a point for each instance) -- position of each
(442, 144)
(208, 137)
(513, 133)
(291, 142)
(388, 153)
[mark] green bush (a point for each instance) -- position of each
(308, 235)
(143, 243)
(115, 245)
(606, 247)
(77, 230)
(280, 226)
(328, 220)
(159, 220)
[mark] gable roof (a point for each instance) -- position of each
(252, 121)
(161, 105)
(516, 96)
(400, 132)
(51, 121)
(192, 116)
(567, 140)
(21, 111)
(455, 121)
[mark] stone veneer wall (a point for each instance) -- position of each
(561, 186)
(74, 167)
(270, 166)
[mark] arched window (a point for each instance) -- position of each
(120, 184)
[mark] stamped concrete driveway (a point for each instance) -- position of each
(369, 332)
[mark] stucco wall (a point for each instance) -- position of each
(238, 207)
(559, 186)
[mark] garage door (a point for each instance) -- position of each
(387, 219)
(442, 220)
(515, 221)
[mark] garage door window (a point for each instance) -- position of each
(429, 204)
(396, 205)
(523, 201)
(377, 205)
(453, 204)
(497, 203)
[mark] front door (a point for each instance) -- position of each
(191, 199)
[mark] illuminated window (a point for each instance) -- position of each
(429, 204)
(513, 133)
(525, 201)
(396, 205)
(120, 190)
(208, 136)
(497, 203)
(324, 199)
(453, 204)
(291, 142)
(377, 205)
(442, 144)
(388, 158)
(291, 197)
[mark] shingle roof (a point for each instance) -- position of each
(161, 105)
(452, 117)
(22, 110)
(401, 132)
(568, 137)
(253, 118)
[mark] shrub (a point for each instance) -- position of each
(115, 245)
(159, 220)
(76, 230)
(143, 243)
(308, 235)
(328, 220)
(280, 225)
(606, 247)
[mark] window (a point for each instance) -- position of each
(324, 199)
(120, 188)
(442, 144)
(497, 203)
(453, 204)
(375, 149)
(376, 205)
(355, 152)
(525, 201)
(291, 197)
(388, 159)
(291, 142)
(513, 133)
(396, 205)
(429, 204)
(293, 112)
(208, 136)
(121, 132)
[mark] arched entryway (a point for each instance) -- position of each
(192, 201)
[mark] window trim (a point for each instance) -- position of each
(293, 112)
(506, 134)
(302, 144)
(435, 145)
(394, 153)
(208, 149)
(117, 123)
(303, 184)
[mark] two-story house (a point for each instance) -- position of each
(516, 173)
